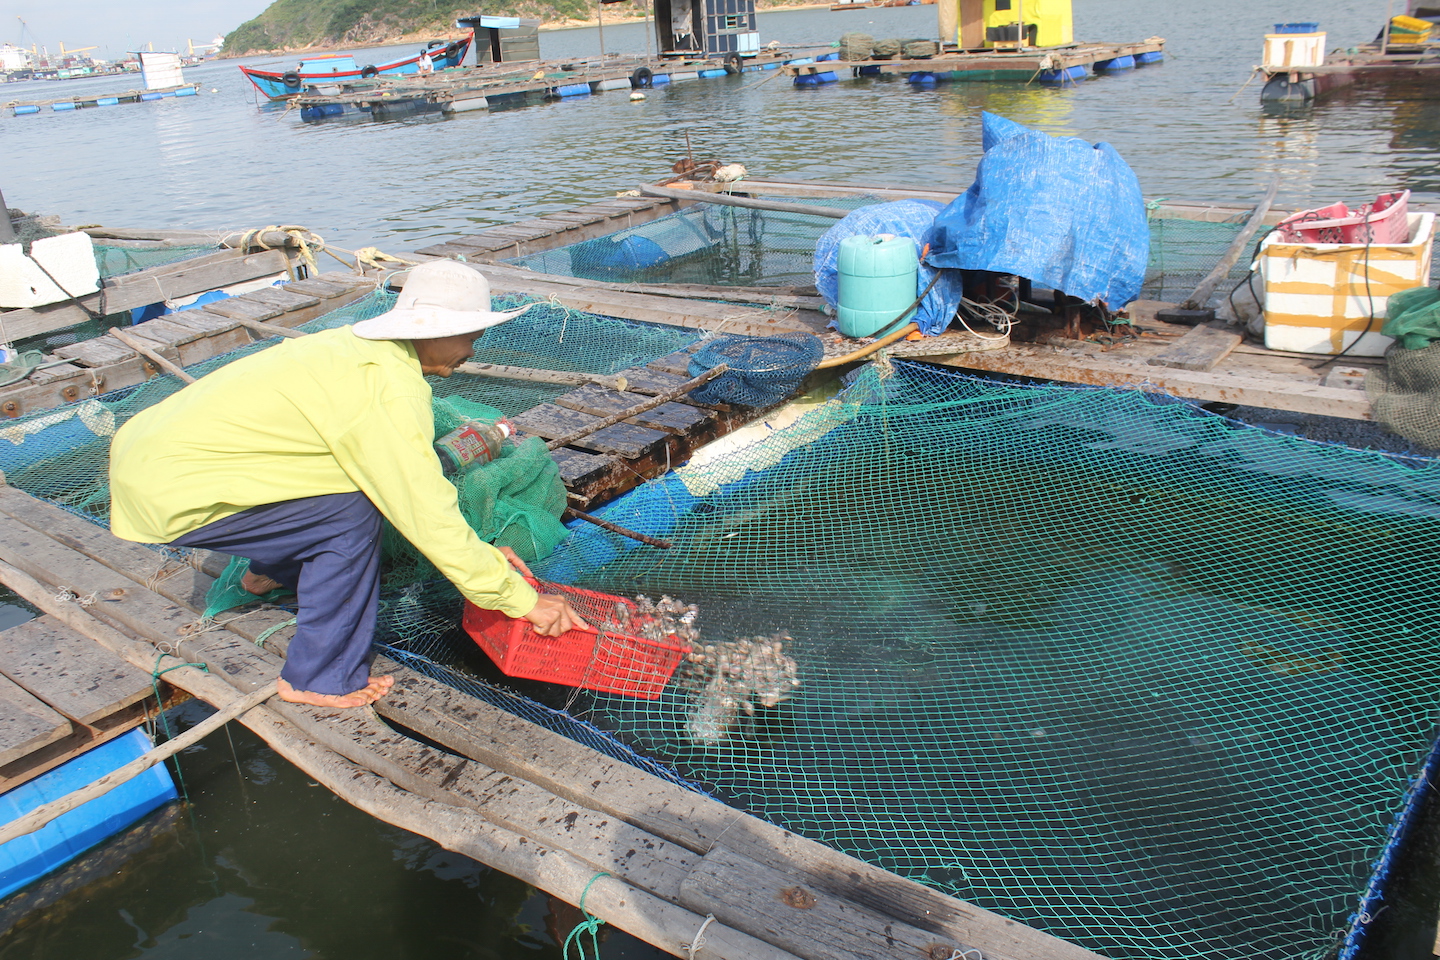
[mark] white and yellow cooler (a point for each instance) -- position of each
(1321, 297)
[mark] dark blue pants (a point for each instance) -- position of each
(328, 550)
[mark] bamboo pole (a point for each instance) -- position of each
(639, 408)
(138, 345)
(704, 196)
(43, 814)
(623, 531)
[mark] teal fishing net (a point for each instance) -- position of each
(1143, 678)
(704, 244)
(1151, 681)
(119, 257)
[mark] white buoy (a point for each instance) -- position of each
(636, 95)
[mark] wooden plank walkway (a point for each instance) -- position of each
(60, 695)
(514, 84)
(518, 797)
(990, 64)
(103, 363)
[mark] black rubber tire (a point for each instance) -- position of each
(452, 51)
(369, 71)
(291, 79)
(642, 77)
(733, 63)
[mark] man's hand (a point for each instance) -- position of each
(552, 616)
(515, 561)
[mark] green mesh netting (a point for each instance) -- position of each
(706, 244)
(1146, 679)
(116, 259)
(62, 455)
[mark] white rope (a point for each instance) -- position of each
(966, 953)
(693, 947)
(994, 314)
(66, 595)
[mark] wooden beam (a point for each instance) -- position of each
(142, 288)
(751, 203)
(140, 346)
(1029, 360)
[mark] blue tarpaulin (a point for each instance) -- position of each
(904, 218)
(1055, 210)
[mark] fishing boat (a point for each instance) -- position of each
(340, 67)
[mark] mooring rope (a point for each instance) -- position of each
(155, 674)
(698, 941)
(590, 925)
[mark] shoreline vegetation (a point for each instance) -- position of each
(421, 36)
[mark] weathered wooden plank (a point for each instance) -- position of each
(785, 910)
(602, 402)
(676, 364)
(340, 278)
(145, 287)
(70, 673)
(578, 467)
(164, 331)
(284, 297)
(1201, 349)
(320, 289)
(99, 352)
(244, 307)
(1027, 360)
(622, 439)
(26, 724)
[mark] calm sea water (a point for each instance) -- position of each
(269, 865)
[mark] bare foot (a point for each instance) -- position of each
(259, 584)
(374, 690)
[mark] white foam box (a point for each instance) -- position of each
(69, 258)
(1321, 297)
(1294, 50)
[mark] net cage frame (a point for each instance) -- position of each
(596, 549)
(647, 507)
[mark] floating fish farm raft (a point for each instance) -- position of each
(979, 666)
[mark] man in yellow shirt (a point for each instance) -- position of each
(291, 456)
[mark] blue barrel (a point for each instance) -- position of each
(573, 90)
(713, 73)
(186, 92)
(67, 105)
(814, 79)
(878, 277)
(107, 101)
(1117, 63)
(21, 109)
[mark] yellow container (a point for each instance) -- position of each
(1321, 297)
(1410, 25)
(1048, 22)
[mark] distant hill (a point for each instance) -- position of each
(293, 24)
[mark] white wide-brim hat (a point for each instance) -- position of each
(442, 298)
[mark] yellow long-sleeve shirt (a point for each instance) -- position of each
(327, 413)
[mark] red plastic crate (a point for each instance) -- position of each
(604, 659)
(1384, 222)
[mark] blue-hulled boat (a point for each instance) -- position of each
(341, 67)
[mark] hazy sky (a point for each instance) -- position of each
(116, 27)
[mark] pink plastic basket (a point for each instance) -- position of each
(1385, 222)
(604, 659)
